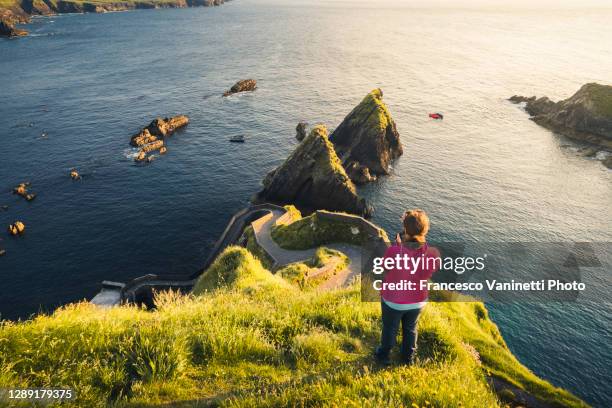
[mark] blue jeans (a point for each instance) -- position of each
(391, 319)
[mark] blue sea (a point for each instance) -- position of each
(76, 89)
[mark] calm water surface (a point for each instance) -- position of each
(484, 173)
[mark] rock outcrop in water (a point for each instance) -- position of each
(23, 190)
(586, 116)
(18, 11)
(150, 138)
(7, 29)
(367, 140)
(301, 131)
(245, 85)
(312, 177)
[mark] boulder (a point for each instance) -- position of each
(22, 190)
(158, 144)
(313, 178)
(367, 139)
(163, 150)
(359, 174)
(74, 174)
(245, 85)
(301, 130)
(141, 156)
(7, 29)
(167, 126)
(142, 138)
(16, 228)
(585, 116)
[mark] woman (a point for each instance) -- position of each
(405, 305)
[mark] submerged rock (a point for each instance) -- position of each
(245, 85)
(585, 116)
(301, 131)
(367, 140)
(23, 190)
(312, 177)
(7, 29)
(74, 174)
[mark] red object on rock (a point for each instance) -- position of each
(436, 116)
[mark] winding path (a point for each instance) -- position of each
(262, 218)
(281, 257)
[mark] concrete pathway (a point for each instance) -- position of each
(263, 235)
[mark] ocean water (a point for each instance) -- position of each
(485, 173)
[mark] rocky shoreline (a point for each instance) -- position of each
(586, 116)
(21, 12)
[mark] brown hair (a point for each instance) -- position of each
(416, 225)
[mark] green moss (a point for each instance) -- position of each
(253, 342)
(371, 112)
(236, 267)
(314, 231)
(328, 164)
(301, 274)
(601, 96)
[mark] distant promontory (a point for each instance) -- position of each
(16, 11)
(586, 116)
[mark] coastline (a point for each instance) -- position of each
(14, 13)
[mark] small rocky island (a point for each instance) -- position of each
(150, 138)
(586, 116)
(244, 85)
(313, 177)
(367, 140)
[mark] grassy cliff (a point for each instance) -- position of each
(248, 338)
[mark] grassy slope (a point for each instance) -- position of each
(250, 338)
(313, 231)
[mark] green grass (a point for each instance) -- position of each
(601, 96)
(246, 338)
(255, 249)
(314, 231)
(371, 113)
(301, 273)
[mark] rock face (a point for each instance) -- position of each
(244, 85)
(159, 128)
(7, 29)
(586, 116)
(312, 177)
(301, 131)
(367, 140)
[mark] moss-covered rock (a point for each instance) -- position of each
(312, 177)
(586, 116)
(367, 140)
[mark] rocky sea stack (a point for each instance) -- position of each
(586, 116)
(312, 177)
(244, 85)
(367, 140)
